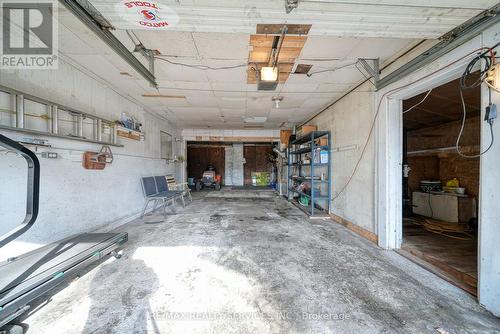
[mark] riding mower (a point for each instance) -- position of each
(209, 179)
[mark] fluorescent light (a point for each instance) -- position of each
(255, 119)
(269, 73)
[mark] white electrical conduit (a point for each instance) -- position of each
(419, 103)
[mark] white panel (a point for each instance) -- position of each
(333, 87)
(381, 48)
(291, 86)
(200, 110)
(169, 43)
(222, 45)
(233, 112)
(232, 102)
(202, 99)
(166, 102)
(190, 85)
(219, 75)
(221, 88)
(315, 103)
(326, 47)
(167, 71)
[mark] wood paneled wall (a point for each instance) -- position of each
(448, 164)
(199, 157)
(257, 160)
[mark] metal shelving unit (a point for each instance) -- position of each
(300, 172)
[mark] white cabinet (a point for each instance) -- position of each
(444, 206)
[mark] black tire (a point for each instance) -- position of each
(217, 186)
(199, 186)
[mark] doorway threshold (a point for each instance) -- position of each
(459, 279)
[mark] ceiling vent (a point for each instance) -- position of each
(302, 69)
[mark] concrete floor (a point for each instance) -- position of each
(255, 264)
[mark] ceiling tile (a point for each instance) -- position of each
(166, 71)
(327, 47)
(169, 43)
(222, 45)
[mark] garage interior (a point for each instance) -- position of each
(442, 234)
(277, 166)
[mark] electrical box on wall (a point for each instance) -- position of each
(49, 155)
(493, 77)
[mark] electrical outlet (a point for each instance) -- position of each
(49, 155)
(493, 77)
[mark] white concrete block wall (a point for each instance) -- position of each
(489, 210)
(228, 165)
(238, 164)
(73, 199)
(352, 115)
(234, 169)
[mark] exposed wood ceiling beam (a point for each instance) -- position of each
(468, 105)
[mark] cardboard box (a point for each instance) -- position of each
(306, 128)
(285, 137)
(323, 141)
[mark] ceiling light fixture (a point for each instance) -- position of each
(268, 73)
(277, 100)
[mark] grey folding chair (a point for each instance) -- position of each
(162, 186)
(150, 191)
(152, 195)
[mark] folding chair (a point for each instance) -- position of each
(151, 194)
(172, 185)
(162, 187)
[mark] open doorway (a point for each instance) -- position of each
(441, 187)
(202, 157)
(259, 164)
